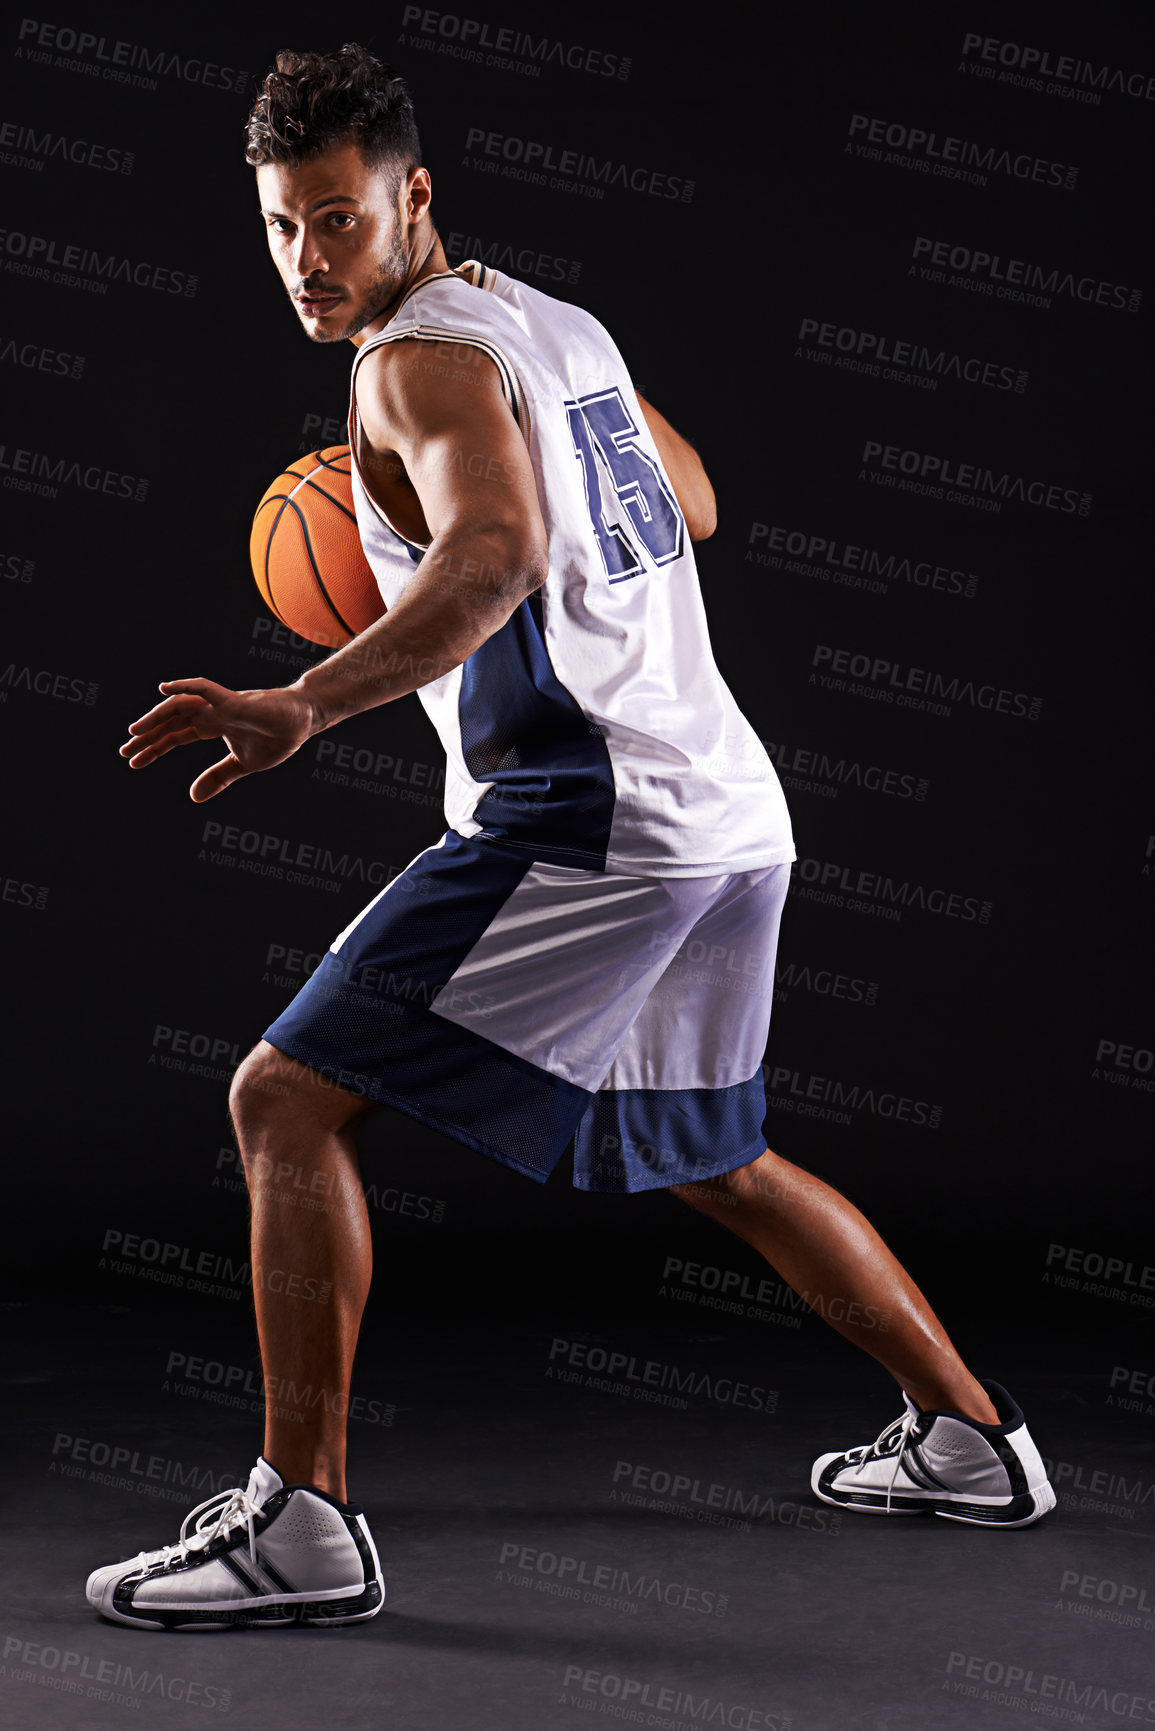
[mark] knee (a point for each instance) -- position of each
(273, 1095)
(259, 1088)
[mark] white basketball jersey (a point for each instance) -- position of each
(593, 729)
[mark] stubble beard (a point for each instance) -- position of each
(382, 290)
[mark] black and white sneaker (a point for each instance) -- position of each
(266, 1556)
(942, 1463)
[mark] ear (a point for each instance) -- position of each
(417, 194)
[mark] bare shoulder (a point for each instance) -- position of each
(404, 385)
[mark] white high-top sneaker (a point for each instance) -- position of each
(270, 1554)
(942, 1463)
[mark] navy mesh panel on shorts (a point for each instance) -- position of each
(648, 1138)
(364, 1020)
(448, 1077)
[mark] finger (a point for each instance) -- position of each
(217, 777)
(186, 694)
(202, 687)
(205, 688)
(144, 755)
(170, 706)
(187, 729)
(143, 740)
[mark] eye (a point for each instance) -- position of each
(281, 224)
(342, 217)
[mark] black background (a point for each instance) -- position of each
(1024, 1039)
(997, 1024)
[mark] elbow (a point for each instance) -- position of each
(535, 570)
(519, 562)
(503, 558)
(528, 567)
(702, 519)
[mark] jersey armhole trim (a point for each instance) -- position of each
(476, 274)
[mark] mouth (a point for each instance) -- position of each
(317, 306)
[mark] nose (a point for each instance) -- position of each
(307, 254)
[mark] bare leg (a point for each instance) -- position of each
(311, 1256)
(820, 1244)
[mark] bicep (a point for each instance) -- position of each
(441, 407)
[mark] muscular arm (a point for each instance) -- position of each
(684, 467)
(444, 457)
(437, 410)
(443, 451)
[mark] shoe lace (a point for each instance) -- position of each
(235, 1506)
(892, 1440)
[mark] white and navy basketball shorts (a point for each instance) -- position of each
(514, 1005)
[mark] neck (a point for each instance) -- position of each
(426, 259)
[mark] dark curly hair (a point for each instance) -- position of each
(311, 102)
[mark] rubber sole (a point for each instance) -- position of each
(1018, 1511)
(287, 1611)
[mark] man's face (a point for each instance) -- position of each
(338, 239)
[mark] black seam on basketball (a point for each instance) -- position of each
(322, 463)
(313, 563)
(284, 498)
(316, 572)
(352, 515)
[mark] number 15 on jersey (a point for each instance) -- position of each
(604, 437)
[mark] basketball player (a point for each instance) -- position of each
(611, 815)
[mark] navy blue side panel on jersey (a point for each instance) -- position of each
(521, 729)
(649, 1138)
(364, 1018)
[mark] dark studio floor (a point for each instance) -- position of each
(487, 1483)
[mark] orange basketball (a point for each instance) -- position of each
(306, 551)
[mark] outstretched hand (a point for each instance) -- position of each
(260, 729)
